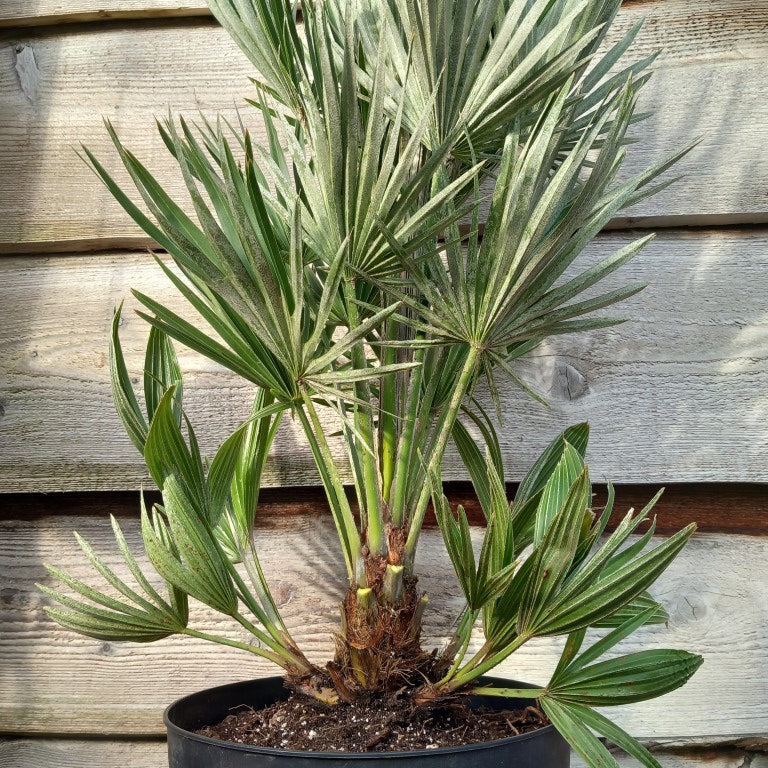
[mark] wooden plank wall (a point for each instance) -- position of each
(679, 395)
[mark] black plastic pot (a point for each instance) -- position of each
(544, 748)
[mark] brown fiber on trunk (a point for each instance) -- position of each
(379, 645)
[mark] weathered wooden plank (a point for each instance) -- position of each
(24, 13)
(45, 12)
(26, 753)
(54, 681)
(675, 395)
(686, 18)
(75, 753)
(710, 82)
(715, 507)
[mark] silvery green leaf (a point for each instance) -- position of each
(126, 404)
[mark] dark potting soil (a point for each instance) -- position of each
(373, 726)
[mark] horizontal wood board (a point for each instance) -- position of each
(75, 753)
(53, 681)
(16, 13)
(56, 84)
(28, 13)
(678, 394)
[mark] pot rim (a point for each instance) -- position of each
(233, 745)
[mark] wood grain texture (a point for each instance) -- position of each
(76, 753)
(715, 23)
(710, 82)
(32, 13)
(715, 507)
(676, 395)
(53, 681)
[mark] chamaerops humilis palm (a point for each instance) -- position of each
(396, 218)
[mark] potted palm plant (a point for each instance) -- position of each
(390, 228)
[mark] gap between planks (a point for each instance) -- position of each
(637, 225)
(739, 508)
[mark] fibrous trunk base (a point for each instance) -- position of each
(379, 646)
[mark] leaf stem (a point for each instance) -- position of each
(463, 633)
(364, 427)
(236, 644)
(276, 644)
(473, 669)
(387, 425)
(264, 594)
(448, 419)
(509, 693)
(405, 445)
(329, 473)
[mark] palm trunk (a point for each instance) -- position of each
(378, 649)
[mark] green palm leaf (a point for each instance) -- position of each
(626, 679)
(568, 721)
